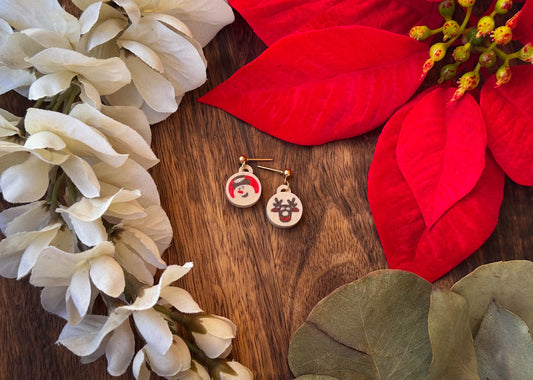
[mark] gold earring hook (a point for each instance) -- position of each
(243, 160)
(286, 173)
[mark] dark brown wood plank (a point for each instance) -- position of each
(265, 279)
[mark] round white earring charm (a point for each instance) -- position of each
(284, 209)
(243, 189)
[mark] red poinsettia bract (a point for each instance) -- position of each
(337, 69)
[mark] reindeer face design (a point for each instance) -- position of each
(284, 209)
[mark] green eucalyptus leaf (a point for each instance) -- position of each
(454, 357)
(376, 327)
(503, 346)
(509, 283)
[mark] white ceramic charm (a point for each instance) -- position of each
(284, 209)
(243, 189)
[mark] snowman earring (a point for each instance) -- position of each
(284, 209)
(243, 188)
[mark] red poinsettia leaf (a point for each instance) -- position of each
(508, 112)
(441, 151)
(319, 86)
(407, 242)
(523, 31)
(275, 19)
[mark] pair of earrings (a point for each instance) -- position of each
(243, 189)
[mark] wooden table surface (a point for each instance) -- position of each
(264, 279)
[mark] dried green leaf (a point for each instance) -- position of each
(454, 357)
(503, 346)
(376, 327)
(509, 283)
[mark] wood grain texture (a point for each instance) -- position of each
(264, 279)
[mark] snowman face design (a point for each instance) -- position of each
(243, 190)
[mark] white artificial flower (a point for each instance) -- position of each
(28, 217)
(54, 139)
(216, 341)
(160, 42)
(151, 324)
(242, 372)
(78, 272)
(175, 360)
(139, 243)
(85, 215)
(196, 372)
(20, 251)
(8, 124)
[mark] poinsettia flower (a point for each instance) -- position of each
(329, 79)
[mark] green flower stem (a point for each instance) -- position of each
(38, 103)
(211, 364)
(72, 190)
(54, 202)
(53, 102)
(73, 92)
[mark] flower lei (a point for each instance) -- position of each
(335, 70)
(88, 226)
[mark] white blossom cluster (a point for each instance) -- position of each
(87, 224)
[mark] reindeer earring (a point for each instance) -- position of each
(284, 209)
(243, 188)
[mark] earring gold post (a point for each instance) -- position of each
(286, 173)
(243, 159)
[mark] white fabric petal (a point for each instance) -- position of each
(81, 139)
(45, 14)
(27, 217)
(212, 346)
(13, 247)
(139, 368)
(5, 31)
(156, 91)
(90, 233)
(171, 21)
(242, 372)
(146, 54)
(80, 289)
(83, 4)
(123, 138)
(13, 79)
(173, 273)
(105, 31)
(25, 182)
(133, 264)
(89, 94)
(107, 275)
(145, 247)
(17, 49)
(50, 84)
(131, 8)
(132, 117)
(82, 176)
(44, 140)
(176, 359)
(183, 61)
(126, 96)
(53, 300)
(154, 329)
(180, 299)
(86, 337)
(120, 349)
(34, 249)
(47, 38)
(126, 210)
(89, 16)
(156, 225)
(55, 267)
(130, 176)
(8, 123)
(146, 299)
(204, 17)
(107, 75)
(154, 116)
